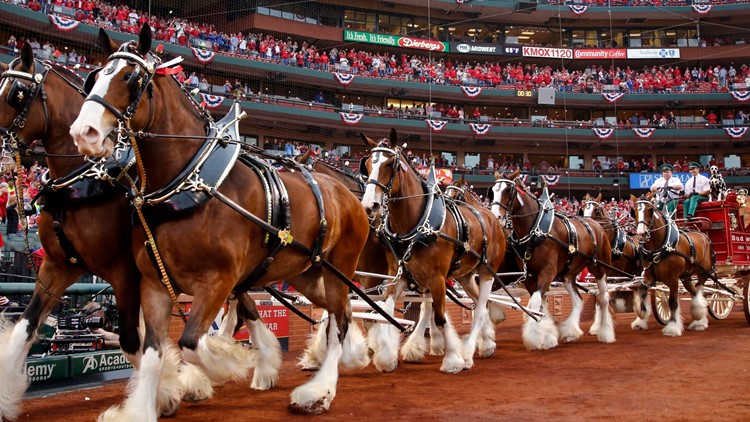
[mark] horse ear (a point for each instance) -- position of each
(105, 43)
(368, 142)
(460, 181)
(302, 159)
(514, 174)
(498, 175)
(394, 137)
(3, 66)
(649, 196)
(587, 197)
(27, 57)
(144, 39)
(599, 197)
(633, 198)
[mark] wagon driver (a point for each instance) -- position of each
(697, 189)
(667, 189)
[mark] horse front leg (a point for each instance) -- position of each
(17, 338)
(641, 307)
(480, 319)
(453, 361)
(605, 331)
(675, 326)
(266, 345)
(698, 306)
(570, 329)
(415, 346)
(540, 335)
(385, 338)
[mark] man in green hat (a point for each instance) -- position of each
(667, 189)
(696, 189)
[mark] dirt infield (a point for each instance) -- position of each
(644, 376)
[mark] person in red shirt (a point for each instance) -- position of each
(477, 113)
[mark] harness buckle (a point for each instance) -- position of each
(286, 237)
(571, 249)
(527, 256)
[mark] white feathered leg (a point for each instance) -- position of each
(415, 346)
(699, 311)
(478, 322)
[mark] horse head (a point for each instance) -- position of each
(504, 195)
(115, 93)
(592, 207)
(646, 215)
(381, 170)
(304, 159)
(456, 190)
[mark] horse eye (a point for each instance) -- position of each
(126, 76)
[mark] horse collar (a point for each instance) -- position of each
(545, 218)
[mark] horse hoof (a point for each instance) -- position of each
(315, 408)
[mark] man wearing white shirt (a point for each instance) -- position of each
(696, 189)
(667, 189)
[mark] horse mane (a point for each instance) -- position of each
(76, 78)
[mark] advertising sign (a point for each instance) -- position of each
(395, 40)
(547, 52)
(476, 48)
(645, 180)
(47, 368)
(92, 363)
(600, 53)
(653, 53)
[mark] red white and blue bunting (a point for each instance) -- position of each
(551, 179)
(578, 9)
(343, 78)
(603, 132)
(741, 95)
(462, 1)
(644, 132)
(351, 118)
(64, 24)
(203, 56)
(702, 9)
(212, 101)
(736, 132)
(480, 128)
(472, 91)
(436, 125)
(612, 96)
(524, 178)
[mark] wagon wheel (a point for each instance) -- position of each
(720, 305)
(660, 305)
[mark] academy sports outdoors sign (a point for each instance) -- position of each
(546, 52)
(395, 41)
(600, 53)
(91, 363)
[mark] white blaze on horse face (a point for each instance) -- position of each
(372, 194)
(640, 223)
(588, 210)
(93, 124)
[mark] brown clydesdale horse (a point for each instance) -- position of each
(419, 232)
(75, 194)
(215, 249)
(672, 255)
(626, 254)
(550, 247)
(39, 100)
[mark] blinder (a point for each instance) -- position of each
(88, 85)
(363, 166)
(18, 95)
(135, 82)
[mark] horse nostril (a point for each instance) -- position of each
(91, 133)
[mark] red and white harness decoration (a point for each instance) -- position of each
(351, 118)
(203, 56)
(578, 9)
(741, 95)
(343, 78)
(480, 128)
(471, 91)
(612, 96)
(212, 101)
(551, 179)
(644, 132)
(436, 125)
(702, 9)
(736, 132)
(603, 132)
(64, 24)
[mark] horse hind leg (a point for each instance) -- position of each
(698, 309)
(313, 355)
(675, 326)
(641, 308)
(570, 329)
(437, 340)
(453, 361)
(415, 346)
(384, 340)
(267, 356)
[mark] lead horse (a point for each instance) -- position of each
(423, 232)
(673, 255)
(549, 247)
(133, 99)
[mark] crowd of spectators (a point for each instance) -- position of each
(417, 68)
(656, 3)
